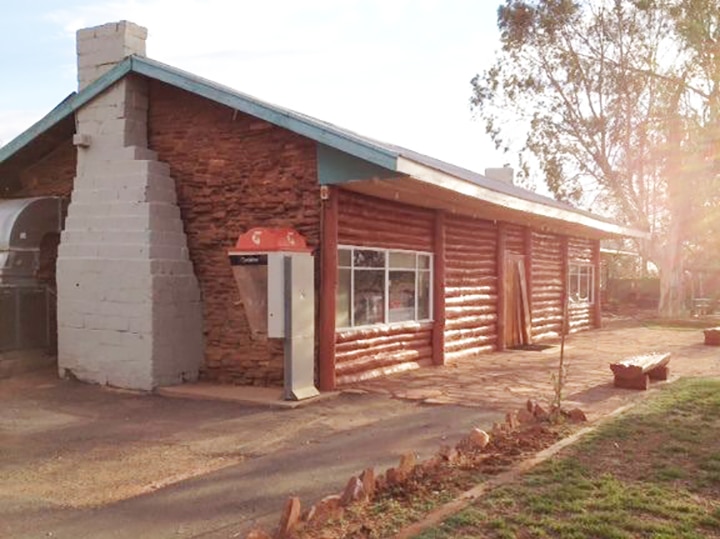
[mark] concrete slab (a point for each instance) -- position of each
(505, 380)
(250, 395)
(16, 362)
(85, 461)
(81, 461)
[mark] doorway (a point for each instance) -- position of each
(517, 303)
(46, 275)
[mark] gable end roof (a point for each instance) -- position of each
(391, 157)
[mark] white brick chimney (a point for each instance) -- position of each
(129, 311)
(102, 47)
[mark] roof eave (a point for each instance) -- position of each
(275, 115)
(65, 108)
(215, 92)
(315, 130)
(447, 181)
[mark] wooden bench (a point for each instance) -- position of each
(712, 336)
(701, 306)
(636, 372)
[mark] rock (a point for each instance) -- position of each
(393, 476)
(380, 483)
(448, 453)
(325, 509)
(576, 415)
(511, 420)
(478, 438)
(258, 534)
(289, 518)
(433, 463)
(498, 429)
(540, 413)
(530, 406)
(524, 417)
(407, 463)
(353, 492)
(397, 476)
(308, 515)
(368, 481)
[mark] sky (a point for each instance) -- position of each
(395, 70)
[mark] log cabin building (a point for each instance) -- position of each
(417, 262)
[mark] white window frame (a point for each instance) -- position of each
(574, 272)
(387, 269)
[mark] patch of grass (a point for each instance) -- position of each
(652, 473)
(667, 472)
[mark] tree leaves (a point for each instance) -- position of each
(619, 101)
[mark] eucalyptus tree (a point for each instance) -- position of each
(618, 104)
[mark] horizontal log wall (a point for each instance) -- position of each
(369, 352)
(470, 287)
(580, 250)
(547, 287)
(362, 353)
(372, 222)
(580, 316)
(515, 240)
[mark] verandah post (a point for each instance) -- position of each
(328, 289)
(438, 331)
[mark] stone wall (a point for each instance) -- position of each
(232, 172)
(51, 175)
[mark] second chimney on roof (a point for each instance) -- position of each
(100, 48)
(504, 174)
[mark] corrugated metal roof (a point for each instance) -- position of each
(379, 153)
(492, 183)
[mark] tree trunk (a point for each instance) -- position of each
(678, 204)
(671, 271)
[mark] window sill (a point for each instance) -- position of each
(382, 328)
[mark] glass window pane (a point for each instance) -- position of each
(402, 260)
(573, 282)
(424, 295)
(402, 296)
(580, 282)
(342, 303)
(369, 297)
(344, 257)
(424, 261)
(584, 286)
(366, 258)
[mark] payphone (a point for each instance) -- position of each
(274, 272)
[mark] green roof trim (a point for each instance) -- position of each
(68, 106)
(342, 155)
(336, 167)
(321, 132)
(309, 127)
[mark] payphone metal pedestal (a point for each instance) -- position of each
(299, 365)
